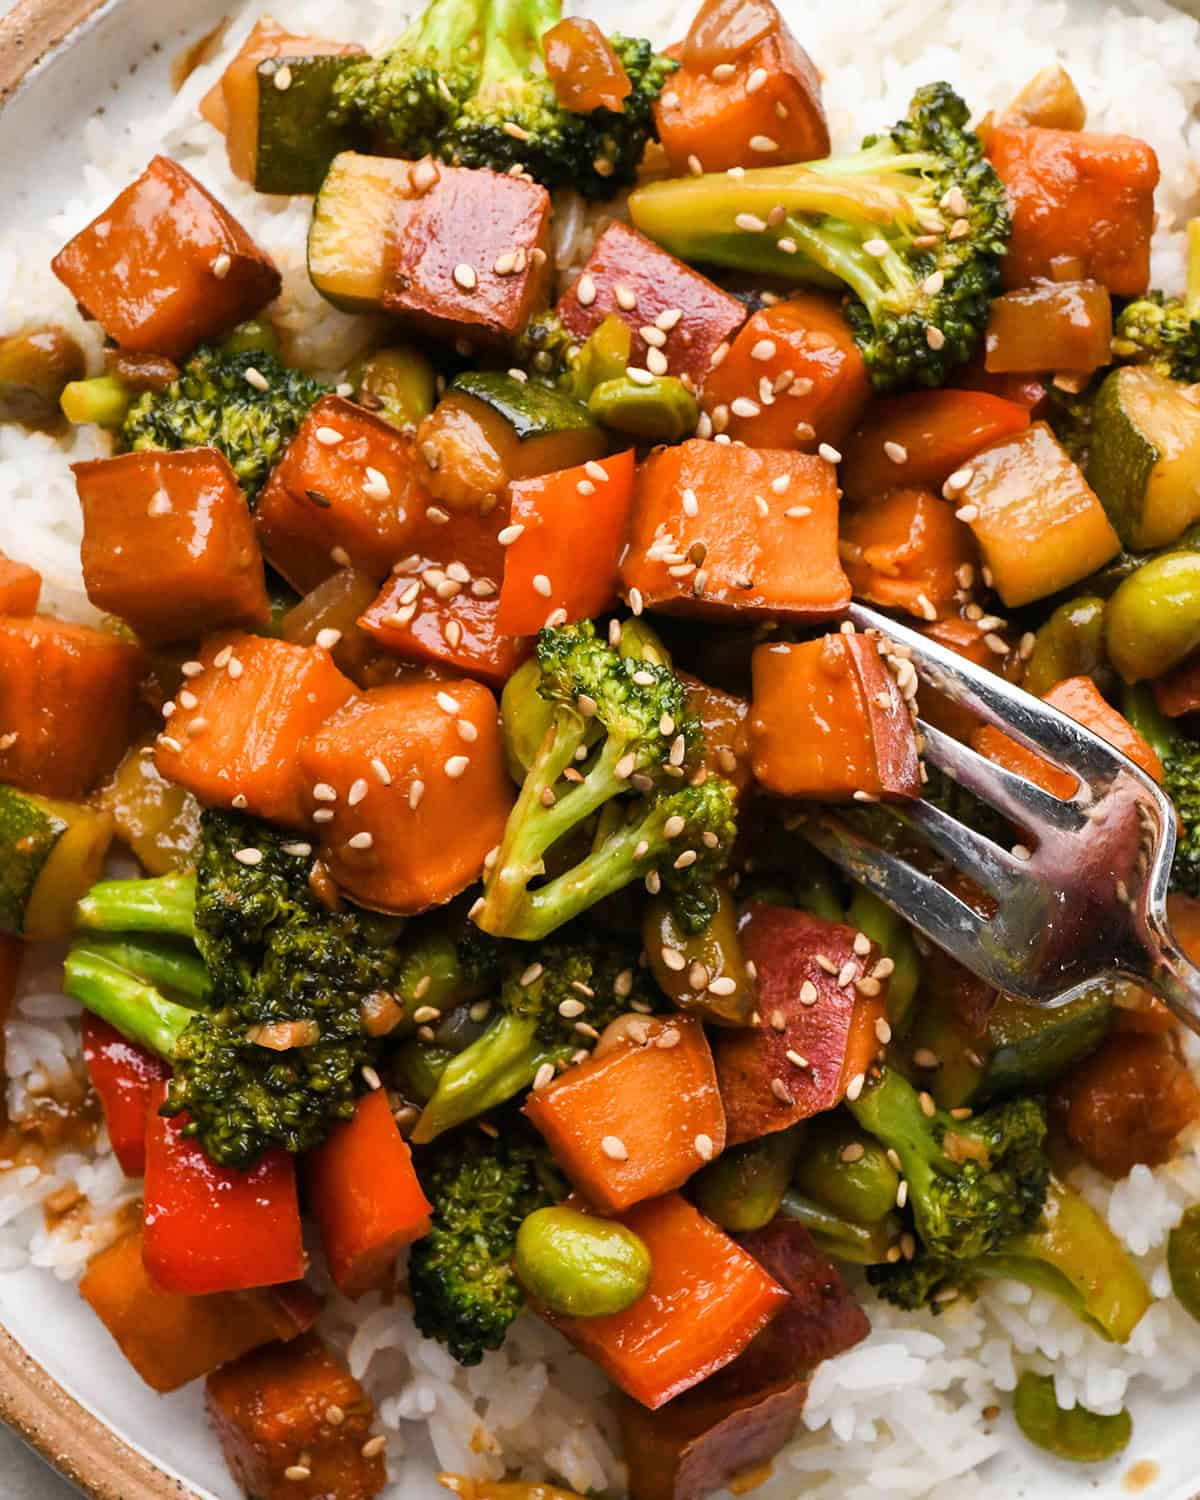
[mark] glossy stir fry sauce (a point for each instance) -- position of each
(463, 718)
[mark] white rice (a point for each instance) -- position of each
(902, 1415)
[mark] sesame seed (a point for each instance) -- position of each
(959, 229)
(928, 1107)
(323, 792)
(614, 1148)
(374, 1446)
(935, 338)
(585, 290)
(868, 986)
(933, 283)
(416, 791)
(742, 406)
(328, 638)
(705, 1149)
(781, 1091)
(376, 486)
(967, 513)
(829, 453)
(691, 506)
(724, 985)
(673, 959)
(656, 362)
(626, 297)
(876, 248)
(362, 840)
(846, 974)
(798, 512)
(897, 452)
(855, 1087)
(160, 504)
(763, 143)
(328, 437)
(192, 668)
(297, 1472)
(541, 585)
(639, 376)
(248, 856)
(585, 487)
(456, 765)
(323, 815)
(635, 601)
(788, 245)
(855, 1151)
(447, 704)
(465, 277)
(256, 378)
(1021, 851)
(674, 826)
(780, 483)
(723, 71)
(958, 481)
(652, 335)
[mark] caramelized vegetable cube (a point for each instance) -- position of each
(344, 494)
(584, 68)
(764, 110)
(20, 586)
(1078, 194)
(706, 1300)
(758, 525)
(169, 545)
(982, 641)
(631, 276)
(415, 833)
(171, 1340)
(829, 721)
(1065, 326)
(724, 718)
(294, 1423)
(67, 695)
(637, 1121)
(908, 550)
(1038, 522)
(793, 378)
(233, 741)
(469, 258)
(165, 265)
(830, 1026)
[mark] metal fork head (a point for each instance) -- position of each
(1079, 897)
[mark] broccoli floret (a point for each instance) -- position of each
(1163, 330)
(213, 404)
(468, 83)
(972, 1184)
(621, 743)
(276, 958)
(914, 226)
(1180, 758)
(464, 1289)
(596, 982)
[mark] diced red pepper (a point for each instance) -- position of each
(123, 1075)
(546, 571)
(365, 1196)
(216, 1229)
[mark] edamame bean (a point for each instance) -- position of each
(1183, 1261)
(579, 1265)
(658, 410)
(703, 972)
(1069, 644)
(743, 1188)
(1153, 620)
(604, 356)
(256, 336)
(1085, 1437)
(845, 1170)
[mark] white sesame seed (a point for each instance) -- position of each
(465, 277)
(751, 223)
(569, 1009)
(635, 601)
(763, 349)
(299, 851)
(376, 486)
(935, 338)
(596, 471)
(781, 483)
(585, 290)
(626, 297)
(328, 437)
(192, 668)
(256, 378)
(877, 248)
(356, 793)
(510, 534)
(673, 959)
(639, 376)
(416, 791)
(160, 504)
(186, 699)
(829, 453)
(362, 840)
(967, 513)
(614, 1148)
(585, 487)
(544, 1075)
(328, 638)
(742, 406)
(542, 585)
(220, 265)
(897, 452)
(510, 127)
(323, 792)
(781, 1091)
(796, 1059)
(763, 144)
(958, 481)
(883, 1031)
(691, 506)
(248, 856)
(297, 1472)
(656, 362)
(705, 1149)
(855, 1087)
(456, 765)
(723, 985)
(652, 335)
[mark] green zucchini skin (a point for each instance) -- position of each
(297, 138)
(30, 830)
(532, 411)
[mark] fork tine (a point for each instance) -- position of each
(1008, 793)
(990, 867)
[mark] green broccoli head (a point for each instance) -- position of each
(464, 1289)
(913, 227)
(1180, 756)
(213, 404)
(1070, 415)
(1160, 331)
(972, 1184)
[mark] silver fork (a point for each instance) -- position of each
(1084, 896)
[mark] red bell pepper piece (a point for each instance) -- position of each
(365, 1196)
(123, 1075)
(546, 571)
(211, 1228)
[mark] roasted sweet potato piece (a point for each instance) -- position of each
(344, 494)
(724, 718)
(631, 276)
(759, 527)
(171, 1340)
(806, 1013)
(415, 834)
(908, 550)
(1127, 1102)
(469, 258)
(638, 1121)
(169, 545)
(706, 1300)
(1178, 692)
(231, 738)
(793, 377)
(828, 721)
(1065, 326)
(764, 111)
(294, 1423)
(67, 695)
(20, 586)
(165, 266)
(1077, 194)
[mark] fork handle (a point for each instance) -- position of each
(1175, 979)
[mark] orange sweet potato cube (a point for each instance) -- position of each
(166, 266)
(420, 791)
(470, 257)
(169, 545)
(67, 698)
(20, 586)
(758, 525)
(828, 721)
(638, 1121)
(232, 734)
(908, 550)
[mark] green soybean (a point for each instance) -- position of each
(579, 1265)
(743, 1188)
(1183, 1261)
(1153, 620)
(846, 1170)
(604, 356)
(658, 410)
(256, 336)
(1069, 644)
(1084, 1437)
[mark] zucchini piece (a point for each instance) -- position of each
(1144, 461)
(347, 238)
(532, 411)
(51, 852)
(297, 137)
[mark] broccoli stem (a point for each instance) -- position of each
(138, 1011)
(491, 1070)
(863, 1244)
(173, 969)
(165, 904)
(1139, 707)
(515, 39)
(890, 1110)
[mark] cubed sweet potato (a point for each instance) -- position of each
(793, 377)
(169, 545)
(1063, 326)
(421, 792)
(20, 586)
(638, 1121)
(344, 494)
(231, 737)
(724, 718)
(67, 696)
(165, 265)
(828, 721)
(632, 277)
(757, 526)
(294, 1424)
(1078, 195)
(820, 1001)
(908, 550)
(469, 257)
